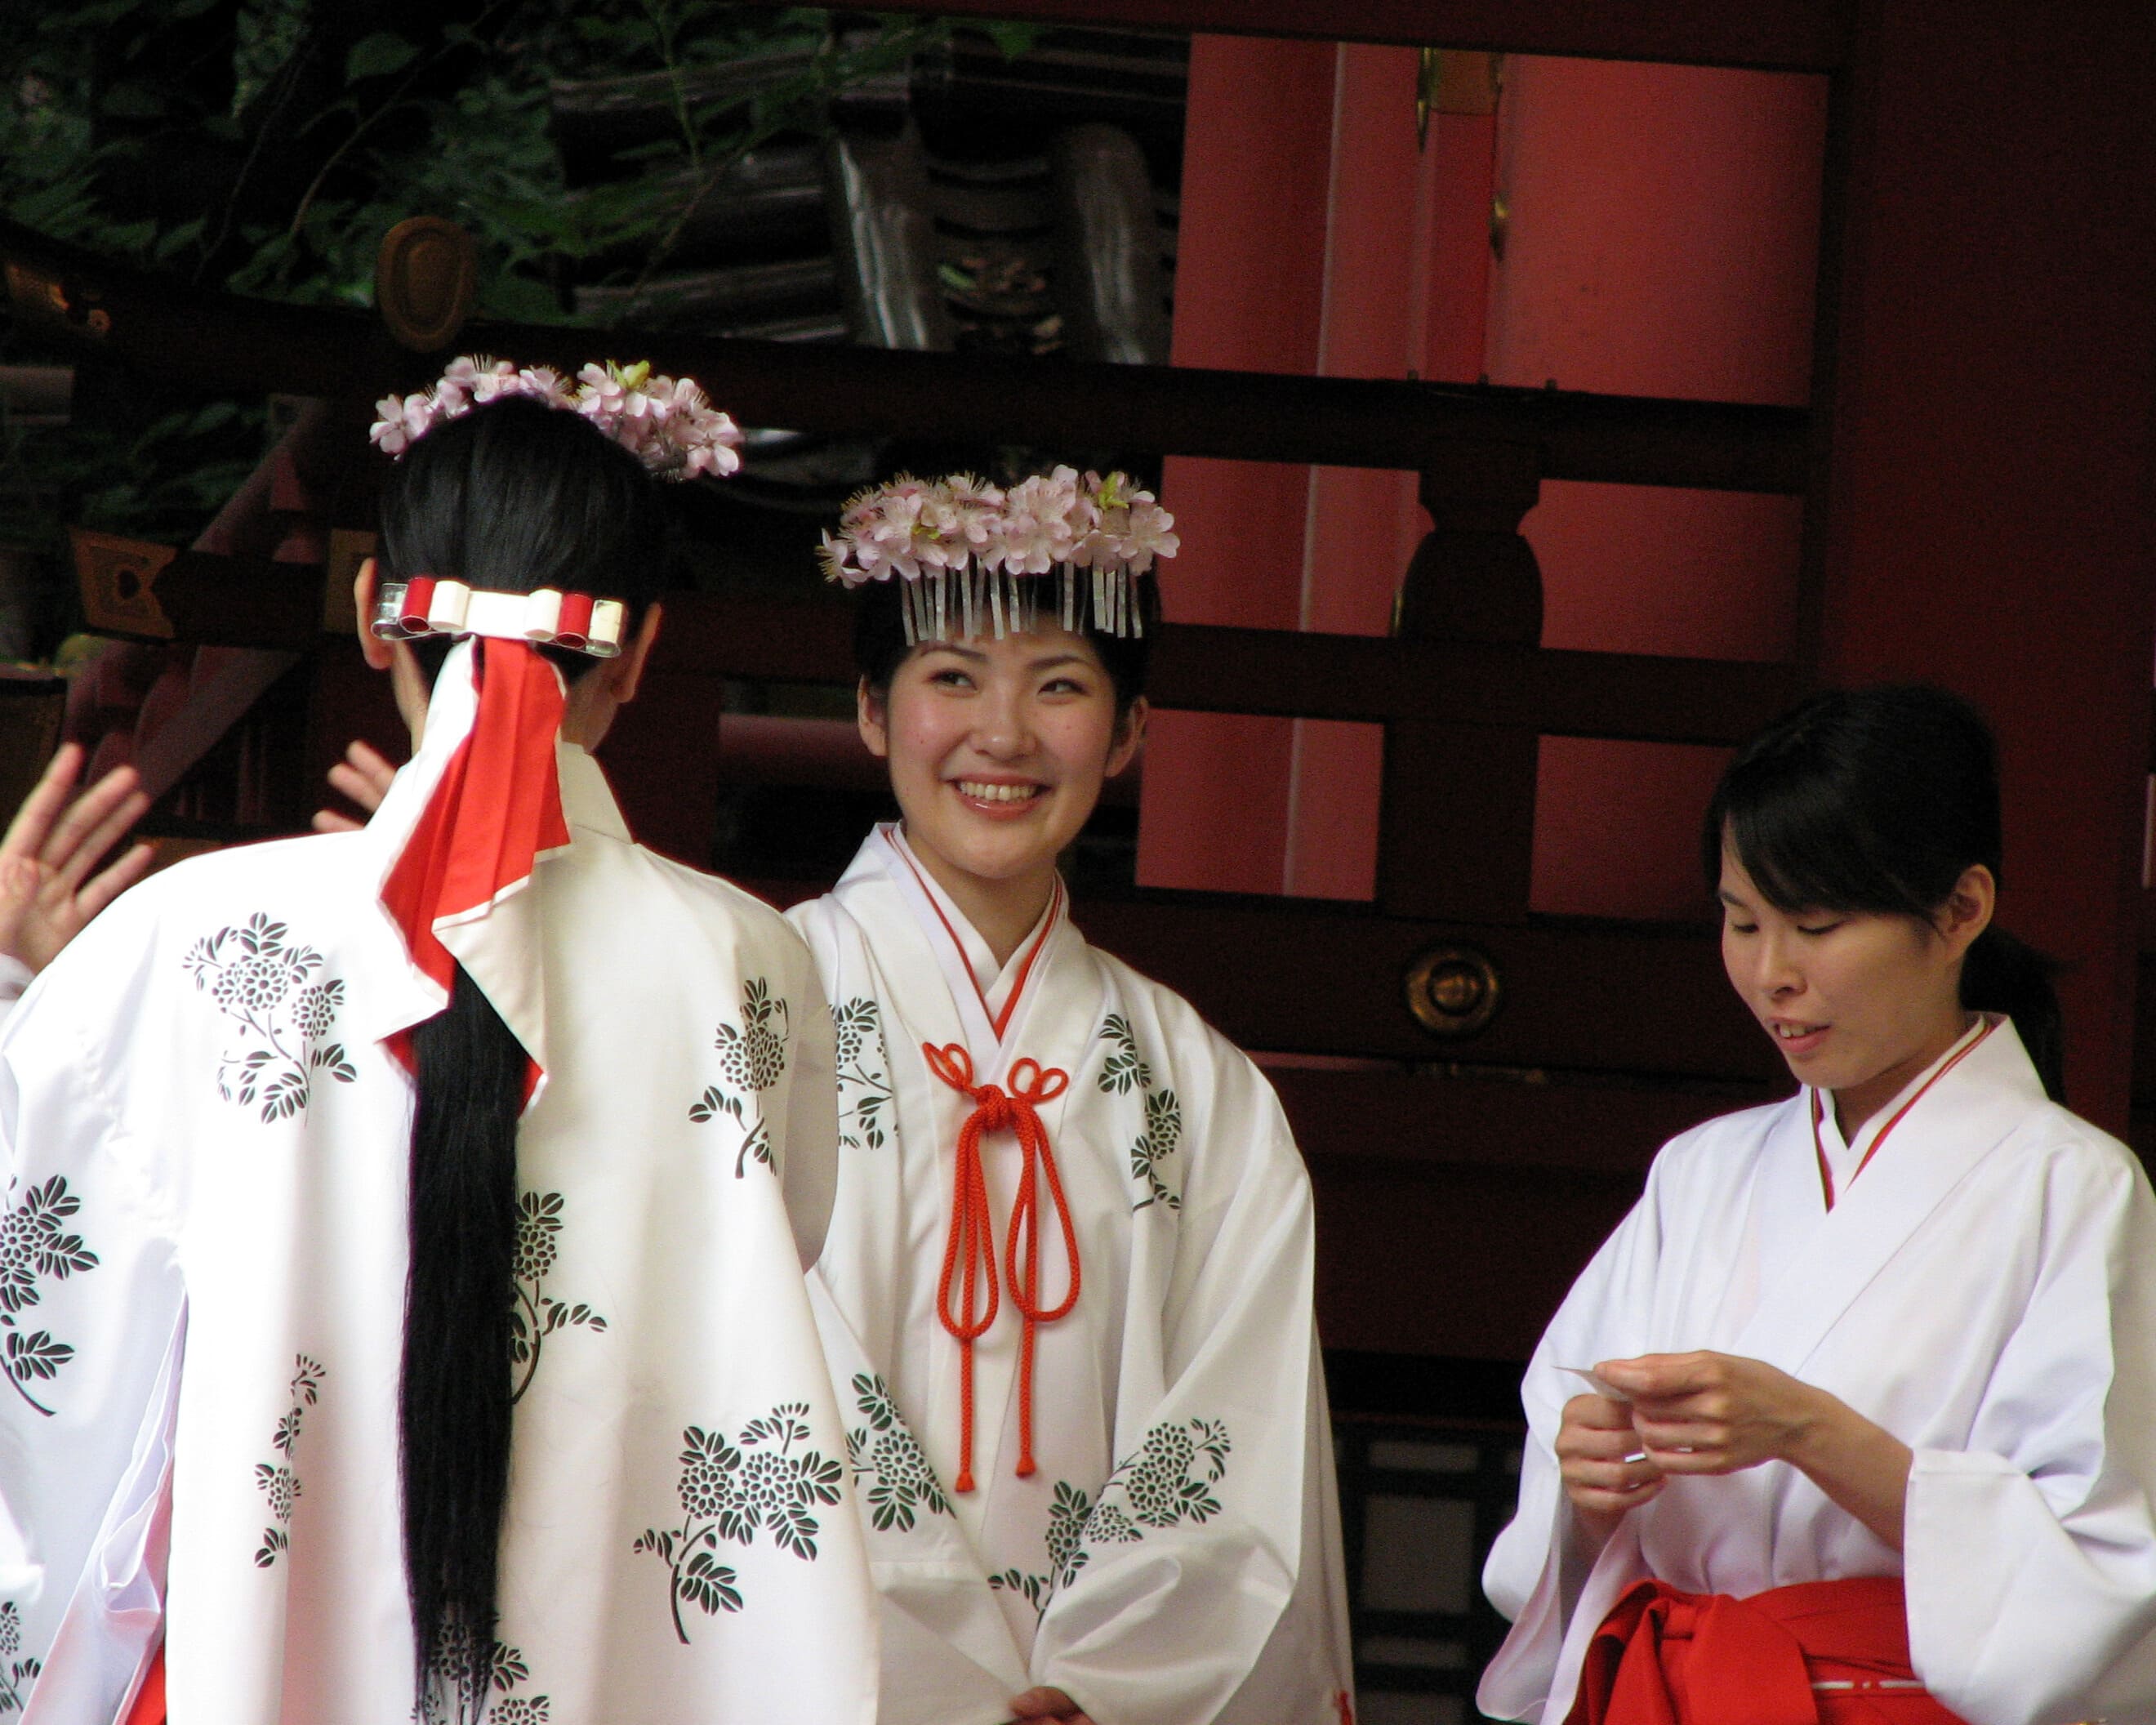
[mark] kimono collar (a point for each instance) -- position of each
(1822, 1260)
(977, 980)
(464, 830)
(1841, 1160)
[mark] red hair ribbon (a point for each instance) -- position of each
(973, 1232)
(496, 807)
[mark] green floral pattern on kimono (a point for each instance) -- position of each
(275, 992)
(751, 1058)
(17, 1670)
(1124, 1070)
(887, 1453)
(280, 1480)
(452, 1699)
(32, 1247)
(758, 1483)
(1169, 1480)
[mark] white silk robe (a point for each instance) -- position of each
(1175, 1560)
(202, 1277)
(1986, 1291)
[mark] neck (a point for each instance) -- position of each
(1003, 912)
(1856, 1104)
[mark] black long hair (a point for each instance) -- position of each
(1879, 800)
(880, 646)
(511, 496)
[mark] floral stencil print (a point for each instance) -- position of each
(1125, 1070)
(17, 1673)
(734, 1492)
(32, 1247)
(535, 1316)
(278, 1479)
(751, 1058)
(1068, 1513)
(887, 1452)
(1154, 1488)
(453, 1699)
(273, 990)
(864, 1074)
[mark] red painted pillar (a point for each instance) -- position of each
(1991, 507)
(1660, 239)
(1318, 235)
(1249, 288)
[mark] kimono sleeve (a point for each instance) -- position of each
(806, 1141)
(1192, 1545)
(92, 1318)
(1538, 1565)
(2032, 1554)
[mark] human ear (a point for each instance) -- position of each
(1967, 911)
(872, 717)
(1130, 733)
(378, 653)
(624, 674)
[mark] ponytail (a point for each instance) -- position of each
(2000, 973)
(454, 1399)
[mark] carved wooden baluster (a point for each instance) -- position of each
(1456, 834)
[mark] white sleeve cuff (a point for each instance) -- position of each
(14, 978)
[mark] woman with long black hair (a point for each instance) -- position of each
(402, 1316)
(1854, 1418)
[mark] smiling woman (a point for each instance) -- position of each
(1842, 1338)
(1114, 1502)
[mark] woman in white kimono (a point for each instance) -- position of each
(1854, 1418)
(1066, 1291)
(401, 1318)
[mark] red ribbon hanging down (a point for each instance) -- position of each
(971, 1240)
(495, 808)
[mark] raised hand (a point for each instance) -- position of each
(365, 777)
(47, 892)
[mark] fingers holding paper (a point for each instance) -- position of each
(1605, 1471)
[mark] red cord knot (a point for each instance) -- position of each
(969, 1254)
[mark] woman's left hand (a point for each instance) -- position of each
(1715, 1413)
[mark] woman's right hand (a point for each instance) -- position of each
(1599, 1457)
(365, 777)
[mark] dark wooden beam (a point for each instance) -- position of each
(1774, 35)
(1369, 678)
(229, 344)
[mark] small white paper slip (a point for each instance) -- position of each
(1600, 1385)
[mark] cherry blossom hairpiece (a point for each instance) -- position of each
(666, 423)
(966, 550)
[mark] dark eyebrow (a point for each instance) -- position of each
(1054, 660)
(1731, 899)
(972, 653)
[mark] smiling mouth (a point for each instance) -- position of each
(1785, 1032)
(983, 792)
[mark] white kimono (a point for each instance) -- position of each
(1176, 1558)
(1987, 1292)
(202, 1280)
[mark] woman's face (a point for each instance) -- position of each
(998, 749)
(1855, 1000)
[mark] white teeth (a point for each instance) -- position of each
(997, 793)
(1789, 1033)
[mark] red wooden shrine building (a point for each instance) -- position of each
(1522, 468)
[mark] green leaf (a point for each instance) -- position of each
(378, 56)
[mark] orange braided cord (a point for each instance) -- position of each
(971, 1239)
